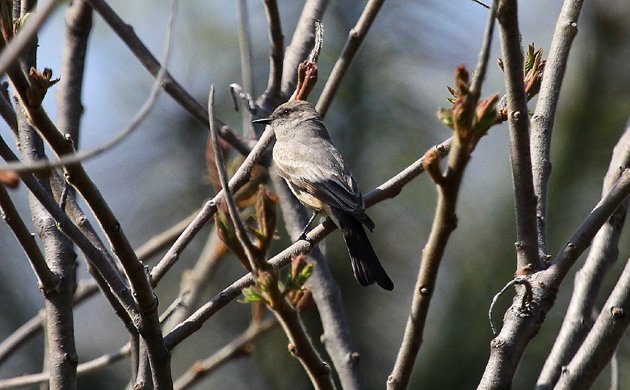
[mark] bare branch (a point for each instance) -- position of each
(254, 261)
(151, 64)
(602, 341)
(82, 368)
(276, 40)
(24, 38)
(48, 281)
(603, 253)
(196, 320)
(544, 114)
(207, 211)
(237, 347)
(519, 328)
(445, 220)
(518, 121)
(301, 44)
(355, 38)
(69, 106)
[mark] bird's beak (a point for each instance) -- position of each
(264, 121)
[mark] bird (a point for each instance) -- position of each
(315, 171)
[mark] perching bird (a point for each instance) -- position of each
(316, 173)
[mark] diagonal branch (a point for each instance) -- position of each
(520, 327)
(544, 114)
(603, 253)
(355, 38)
(48, 281)
(385, 191)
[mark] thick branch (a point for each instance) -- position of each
(518, 327)
(69, 105)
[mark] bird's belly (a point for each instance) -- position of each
(308, 199)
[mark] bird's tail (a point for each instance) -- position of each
(365, 265)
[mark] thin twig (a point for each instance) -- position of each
(227, 194)
(247, 71)
(527, 297)
(545, 111)
(237, 347)
(24, 37)
(526, 237)
(137, 120)
(83, 368)
(88, 288)
(241, 177)
(195, 281)
(355, 38)
(300, 345)
(152, 65)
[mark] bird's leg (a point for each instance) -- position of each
(308, 224)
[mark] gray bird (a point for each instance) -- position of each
(316, 173)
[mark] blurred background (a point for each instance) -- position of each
(382, 119)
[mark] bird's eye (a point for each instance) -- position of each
(284, 112)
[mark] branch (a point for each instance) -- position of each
(137, 120)
(526, 237)
(69, 105)
(300, 344)
(240, 346)
(60, 356)
(276, 40)
(24, 38)
(48, 281)
(544, 114)
(196, 320)
(247, 73)
(194, 281)
(604, 251)
(151, 64)
(301, 44)
(602, 341)
(88, 288)
(241, 177)
(355, 38)
(83, 368)
(518, 327)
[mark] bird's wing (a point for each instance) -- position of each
(318, 169)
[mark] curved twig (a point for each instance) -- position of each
(527, 297)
